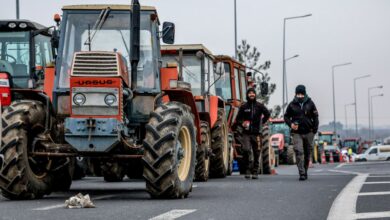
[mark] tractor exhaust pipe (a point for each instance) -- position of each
(135, 41)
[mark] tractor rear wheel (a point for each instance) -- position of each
(267, 152)
(202, 154)
(219, 162)
(21, 175)
(170, 151)
(113, 172)
(291, 159)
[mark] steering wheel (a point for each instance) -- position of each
(14, 59)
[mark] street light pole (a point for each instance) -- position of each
(235, 30)
(17, 9)
(284, 56)
(354, 88)
(369, 109)
(286, 88)
(372, 113)
(334, 95)
(346, 118)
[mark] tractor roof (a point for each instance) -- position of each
(327, 133)
(31, 26)
(187, 47)
(277, 120)
(104, 6)
(228, 58)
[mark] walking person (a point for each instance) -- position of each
(250, 117)
(302, 117)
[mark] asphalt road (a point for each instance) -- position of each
(358, 190)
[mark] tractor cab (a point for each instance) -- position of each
(25, 53)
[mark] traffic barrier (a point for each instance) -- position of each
(323, 157)
(331, 160)
(341, 158)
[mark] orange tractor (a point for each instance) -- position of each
(111, 102)
(196, 67)
(232, 88)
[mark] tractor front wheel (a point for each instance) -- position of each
(202, 154)
(170, 151)
(219, 162)
(267, 152)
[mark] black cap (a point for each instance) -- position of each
(301, 89)
(248, 91)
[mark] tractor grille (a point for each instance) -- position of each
(95, 64)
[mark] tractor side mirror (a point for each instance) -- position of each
(55, 39)
(264, 88)
(220, 69)
(168, 33)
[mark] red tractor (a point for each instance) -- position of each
(232, 88)
(196, 67)
(281, 141)
(111, 102)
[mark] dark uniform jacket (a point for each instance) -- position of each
(304, 114)
(253, 112)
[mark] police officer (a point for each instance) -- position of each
(250, 117)
(302, 116)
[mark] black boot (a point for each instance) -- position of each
(247, 175)
(302, 178)
(306, 173)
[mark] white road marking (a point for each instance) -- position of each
(348, 172)
(366, 163)
(340, 165)
(173, 214)
(369, 215)
(381, 176)
(63, 205)
(374, 193)
(344, 206)
(382, 182)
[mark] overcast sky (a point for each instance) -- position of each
(339, 31)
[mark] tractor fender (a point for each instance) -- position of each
(215, 104)
(187, 98)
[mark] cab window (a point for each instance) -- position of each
(237, 84)
(243, 83)
(374, 151)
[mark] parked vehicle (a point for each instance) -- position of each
(328, 142)
(375, 153)
(281, 141)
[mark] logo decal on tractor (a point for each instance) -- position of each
(93, 82)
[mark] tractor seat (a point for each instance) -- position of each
(5, 66)
(20, 70)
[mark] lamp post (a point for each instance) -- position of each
(284, 54)
(334, 95)
(369, 109)
(372, 114)
(235, 30)
(346, 117)
(354, 88)
(17, 9)
(286, 88)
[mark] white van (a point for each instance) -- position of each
(380, 152)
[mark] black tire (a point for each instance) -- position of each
(291, 158)
(231, 158)
(113, 172)
(168, 169)
(80, 168)
(22, 121)
(219, 162)
(202, 154)
(267, 152)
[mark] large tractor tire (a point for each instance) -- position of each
(267, 152)
(202, 154)
(291, 158)
(170, 151)
(113, 172)
(21, 175)
(231, 158)
(219, 162)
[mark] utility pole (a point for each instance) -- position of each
(17, 9)
(356, 115)
(235, 30)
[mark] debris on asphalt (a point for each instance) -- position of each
(79, 201)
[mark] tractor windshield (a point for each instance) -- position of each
(15, 56)
(223, 85)
(326, 138)
(79, 33)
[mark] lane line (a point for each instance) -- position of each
(369, 215)
(344, 206)
(173, 214)
(382, 182)
(367, 163)
(374, 193)
(46, 208)
(340, 165)
(381, 176)
(347, 172)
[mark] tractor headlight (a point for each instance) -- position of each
(79, 99)
(23, 25)
(110, 99)
(12, 25)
